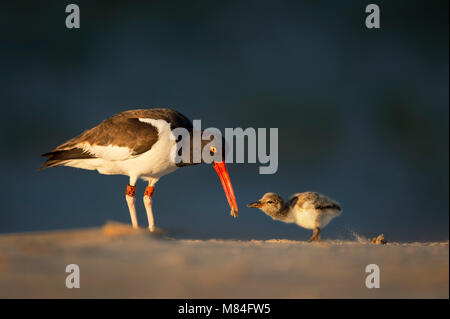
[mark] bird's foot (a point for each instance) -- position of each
(315, 236)
(234, 213)
(156, 232)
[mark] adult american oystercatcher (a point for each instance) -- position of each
(309, 210)
(137, 143)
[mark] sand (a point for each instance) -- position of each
(117, 262)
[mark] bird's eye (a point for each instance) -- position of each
(270, 202)
(213, 149)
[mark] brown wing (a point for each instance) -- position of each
(318, 200)
(123, 129)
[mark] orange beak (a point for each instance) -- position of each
(221, 170)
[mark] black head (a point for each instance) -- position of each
(210, 149)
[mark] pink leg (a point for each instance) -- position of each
(131, 191)
(148, 207)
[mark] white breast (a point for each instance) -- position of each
(311, 218)
(157, 161)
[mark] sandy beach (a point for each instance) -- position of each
(117, 262)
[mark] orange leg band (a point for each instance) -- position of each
(149, 191)
(131, 190)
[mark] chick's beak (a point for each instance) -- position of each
(255, 204)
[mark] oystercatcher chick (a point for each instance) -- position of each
(309, 210)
